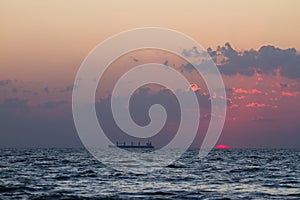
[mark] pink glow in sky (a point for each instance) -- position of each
(43, 44)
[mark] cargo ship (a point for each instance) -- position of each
(132, 145)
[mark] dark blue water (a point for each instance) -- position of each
(223, 174)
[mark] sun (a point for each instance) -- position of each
(222, 146)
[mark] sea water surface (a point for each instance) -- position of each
(223, 174)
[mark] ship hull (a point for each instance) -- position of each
(135, 147)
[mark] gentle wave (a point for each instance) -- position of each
(223, 174)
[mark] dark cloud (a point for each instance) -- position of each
(4, 82)
(266, 60)
(139, 106)
(287, 60)
(53, 104)
(188, 67)
(46, 90)
(14, 90)
(69, 88)
(22, 127)
(284, 85)
(15, 104)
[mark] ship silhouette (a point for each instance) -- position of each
(132, 145)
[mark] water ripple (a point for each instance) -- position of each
(223, 174)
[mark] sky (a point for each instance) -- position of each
(255, 44)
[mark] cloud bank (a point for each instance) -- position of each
(266, 60)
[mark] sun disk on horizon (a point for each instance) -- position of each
(222, 146)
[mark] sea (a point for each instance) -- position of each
(73, 173)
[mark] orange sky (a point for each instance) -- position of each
(47, 40)
(43, 43)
